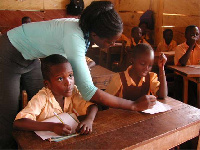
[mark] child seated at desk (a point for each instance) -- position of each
(188, 53)
(136, 37)
(168, 44)
(59, 95)
(137, 80)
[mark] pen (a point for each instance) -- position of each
(58, 117)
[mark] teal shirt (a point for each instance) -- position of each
(58, 36)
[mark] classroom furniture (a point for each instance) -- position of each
(188, 73)
(170, 57)
(117, 49)
(101, 76)
(123, 129)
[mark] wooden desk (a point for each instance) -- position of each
(121, 129)
(118, 48)
(101, 76)
(169, 55)
(188, 73)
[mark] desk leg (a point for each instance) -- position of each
(198, 146)
(185, 90)
(198, 94)
(108, 61)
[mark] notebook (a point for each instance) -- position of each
(69, 119)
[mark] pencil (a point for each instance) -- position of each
(58, 117)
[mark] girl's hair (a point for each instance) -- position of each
(48, 62)
(101, 18)
(141, 49)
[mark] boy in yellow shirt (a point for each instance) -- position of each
(137, 80)
(168, 44)
(188, 53)
(59, 95)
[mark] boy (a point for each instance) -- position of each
(136, 36)
(59, 95)
(137, 80)
(26, 20)
(188, 53)
(168, 44)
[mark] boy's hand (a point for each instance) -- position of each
(62, 129)
(193, 41)
(162, 60)
(85, 126)
(144, 102)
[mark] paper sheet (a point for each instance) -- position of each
(67, 119)
(169, 53)
(194, 66)
(158, 107)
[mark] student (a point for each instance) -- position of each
(59, 95)
(136, 36)
(74, 9)
(26, 20)
(147, 34)
(137, 80)
(188, 53)
(168, 44)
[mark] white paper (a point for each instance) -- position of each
(67, 119)
(194, 66)
(158, 107)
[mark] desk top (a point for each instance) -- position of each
(187, 71)
(99, 71)
(119, 129)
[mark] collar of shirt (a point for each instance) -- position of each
(165, 44)
(87, 42)
(133, 41)
(130, 80)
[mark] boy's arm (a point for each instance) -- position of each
(184, 59)
(85, 126)
(31, 125)
(163, 91)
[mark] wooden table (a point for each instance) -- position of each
(121, 129)
(101, 76)
(169, 55)
(118, 48)
(188, 73)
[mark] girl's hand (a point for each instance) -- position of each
(62, 129)
(162, 60)
(85, 126)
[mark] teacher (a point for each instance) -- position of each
(22, 46)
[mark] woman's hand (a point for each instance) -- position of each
(85, 126)
(62, 129)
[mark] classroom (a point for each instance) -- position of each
(100, 74)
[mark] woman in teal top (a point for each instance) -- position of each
(22, 46)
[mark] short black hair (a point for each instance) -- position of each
(188, 28)
(141, 49)
(24, 19)
(167, 30)
(101, 18)
(134, 28)
(75, 9)
(48, 62)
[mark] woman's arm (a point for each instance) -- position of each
(31, 125)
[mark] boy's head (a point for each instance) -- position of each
(58, 75)
(144, 27)
(136, 33)
(168, 35)
(26, 20)
(142, 59)
(191, 32)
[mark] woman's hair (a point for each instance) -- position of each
(48, 62)
(140, 49)
(101, 18)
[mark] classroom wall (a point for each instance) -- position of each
(175, 13)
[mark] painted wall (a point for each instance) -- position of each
(175, 13)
